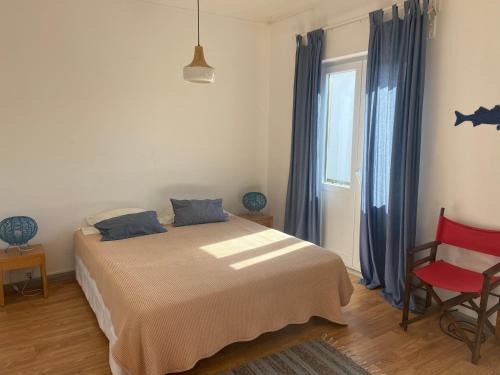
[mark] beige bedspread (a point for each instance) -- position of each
(181, 296)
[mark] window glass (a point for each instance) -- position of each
(341, 94)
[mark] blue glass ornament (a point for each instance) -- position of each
(254, 201)
(18, 230)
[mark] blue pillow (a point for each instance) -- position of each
(128, 226)
(189, 212)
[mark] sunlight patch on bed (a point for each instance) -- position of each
(269, 256)
(241, 244)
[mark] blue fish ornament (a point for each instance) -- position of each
(481, 116)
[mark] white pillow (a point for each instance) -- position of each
(166, 216)
(89, 230)
(105, 215)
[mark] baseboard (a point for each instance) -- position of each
(354, 272)
(62, 276)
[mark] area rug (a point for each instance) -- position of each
(310, 358)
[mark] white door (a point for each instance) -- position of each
(342, 117)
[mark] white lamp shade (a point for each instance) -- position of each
(199, 74)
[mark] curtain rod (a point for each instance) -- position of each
(356, 19)
(350, 20)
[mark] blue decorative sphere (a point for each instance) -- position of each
(254, 201)
(18, 230)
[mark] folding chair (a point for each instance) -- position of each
(469, 284)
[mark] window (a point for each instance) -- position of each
(341, 92)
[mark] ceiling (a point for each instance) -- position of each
(267, 11)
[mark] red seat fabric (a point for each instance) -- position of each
(447, 276)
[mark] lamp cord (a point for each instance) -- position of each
(198, 22)
(22, 291)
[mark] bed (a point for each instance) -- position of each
(167, 300)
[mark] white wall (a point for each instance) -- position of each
(460, 166)
(94, 113)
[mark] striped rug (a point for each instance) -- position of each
(310, 358)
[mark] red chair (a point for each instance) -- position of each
(440, 274)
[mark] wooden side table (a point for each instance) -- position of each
(265, 220)
(13, 260)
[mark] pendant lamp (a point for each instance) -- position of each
(199, 71)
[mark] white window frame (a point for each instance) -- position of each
(352, 62)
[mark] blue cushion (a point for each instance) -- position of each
(189, 212)
(128, 226)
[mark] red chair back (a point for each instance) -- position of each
(467, 237)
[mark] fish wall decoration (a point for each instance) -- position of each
(481, 116)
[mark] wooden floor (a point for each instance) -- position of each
(60, 335)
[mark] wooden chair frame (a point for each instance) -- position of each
(463, 299)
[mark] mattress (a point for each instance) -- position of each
(101, 312)
(171, 299)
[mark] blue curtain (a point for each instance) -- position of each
(394, 97)
(302, 214)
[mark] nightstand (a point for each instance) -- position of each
(265, 220)
(13, 260)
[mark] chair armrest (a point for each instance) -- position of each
(423, 247)
(410, 261)
(492, 271)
